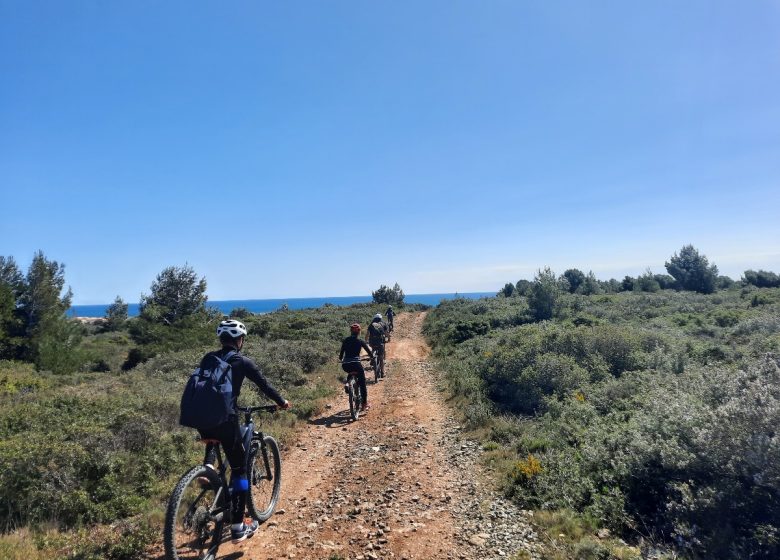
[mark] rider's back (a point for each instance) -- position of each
(376, 333)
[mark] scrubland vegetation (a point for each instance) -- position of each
(651, 414)
(646, 407)
(90, 445)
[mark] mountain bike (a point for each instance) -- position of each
(378, 355)
(353, 390)
(199, 510)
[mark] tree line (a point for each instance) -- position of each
(687, 270)
(34, 326)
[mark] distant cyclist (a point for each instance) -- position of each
(376, 337)
(349, 355)
(390, 314)
(231, 334)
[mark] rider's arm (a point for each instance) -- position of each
(341, 352)
(366, 347)
(253, 372)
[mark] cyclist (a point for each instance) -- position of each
(390, 314)
(349, 355)
(232, 334)
(376, 336)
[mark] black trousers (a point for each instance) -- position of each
(229, 436)
(357, 367)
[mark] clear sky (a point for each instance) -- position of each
(321, 148)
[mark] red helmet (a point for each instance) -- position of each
(354, 327)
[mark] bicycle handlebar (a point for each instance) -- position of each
(361, 359)
(264, 408)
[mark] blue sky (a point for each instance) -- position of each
(321, 148)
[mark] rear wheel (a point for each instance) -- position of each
(265, 477)
(354, 399)
(195, 516)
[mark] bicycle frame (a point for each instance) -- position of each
(247, 432)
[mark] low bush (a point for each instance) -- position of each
(90, 454)
(658, 422)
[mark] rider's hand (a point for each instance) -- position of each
(286, 405)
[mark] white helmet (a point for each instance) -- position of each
(232, 327)
(378, 316)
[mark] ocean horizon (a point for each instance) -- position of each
(268, 305)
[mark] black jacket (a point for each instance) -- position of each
(242, 367)
(351, 346)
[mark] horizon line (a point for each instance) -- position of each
(298, 298)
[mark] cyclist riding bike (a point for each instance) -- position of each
(232, 334)
(349, 355)
(376, 336)
(390, 314)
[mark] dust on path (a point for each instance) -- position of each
(385, 486)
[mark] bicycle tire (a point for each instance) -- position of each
(258, 478)
(192, 532)
(354, 400)
(377, 369)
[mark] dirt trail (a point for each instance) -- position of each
(394, 484)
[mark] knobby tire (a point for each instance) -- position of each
(264, 493)
(354, 399)
(192, 532)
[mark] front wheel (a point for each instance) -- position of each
(265, 477)
(354, 399)
(195, 516)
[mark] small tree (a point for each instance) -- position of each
(240, 312)
(692, 271)
(176, 294)
(627, 285)
(391, 296)
(762, 278)
(575, 277)
(11, 326)
(523, 287)
(666, 282)
(507, 290)
(646, 282)
(589, 286)
(725, 283)
(544, 296)
(116, 314)
(42, 298)
(174, 316)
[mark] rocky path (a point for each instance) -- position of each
(398, 483)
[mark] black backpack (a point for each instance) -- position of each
(208, 397)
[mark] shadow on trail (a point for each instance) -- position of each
(336, 420)
(231, 556)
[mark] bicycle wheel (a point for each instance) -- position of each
(381, 363)
(195, 516)
(354, 399)
(377, 368)
(265, 477)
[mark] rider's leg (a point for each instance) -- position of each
(361, 379)
(233, 444)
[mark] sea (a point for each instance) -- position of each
(268, 305)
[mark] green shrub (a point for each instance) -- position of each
(657, 412)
